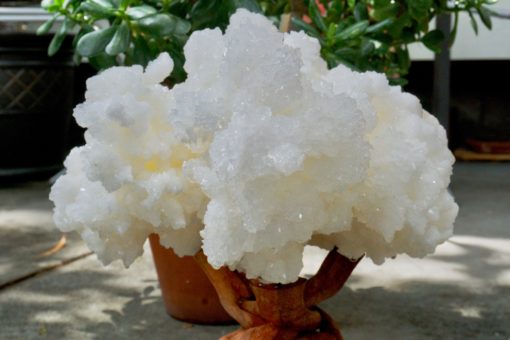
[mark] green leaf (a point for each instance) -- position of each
(98, 8)
(76, 58)
(139, 12)
(360, 11)
(421, 4)
(161, 25)
(408, 35)
(389, 11)
(204, 13)
(176, 52)
(381, 3)
(352, 31)
(335, 8)
(300, 25)
(404, 60)
(56, 43)
(120, 40)
(182, 26)
(397, 81)
(404, 21)
(330, 59)
(419, 9)
(383, 38)
(334, 59)
(453, 33)
(342, 25)
(367, 48)
(485, 15)
(59, 37)
(102, 3)
(94, 43)
(330, 34)
(346, 53)
(158, 24)
(351, 3)
(83, 30)
(474, 24)
(45, 28)
(316, 16)
(432, 40)
(102, 61)
(380, 25)
(140, 54)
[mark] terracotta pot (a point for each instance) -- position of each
(187, 292)
(281, 311)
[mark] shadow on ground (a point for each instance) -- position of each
(93, 304)
(90, 304)
(27, 237)
(479, 258)
(422, 310)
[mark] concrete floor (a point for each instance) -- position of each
(460, 292)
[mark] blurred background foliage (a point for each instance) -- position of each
(363, 35)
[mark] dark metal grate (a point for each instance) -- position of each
(31, 90)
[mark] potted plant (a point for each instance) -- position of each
(260, 152)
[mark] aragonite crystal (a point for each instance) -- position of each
(260, 152)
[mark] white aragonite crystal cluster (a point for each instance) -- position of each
(300, 154)
(260, 152)
(127, 181)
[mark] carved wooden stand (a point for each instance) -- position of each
(281, 311)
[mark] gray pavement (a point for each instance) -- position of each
(460, 292)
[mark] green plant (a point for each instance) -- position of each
(126, 32)
(362, 34)
(375, 34)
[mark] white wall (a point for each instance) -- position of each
(487, 45)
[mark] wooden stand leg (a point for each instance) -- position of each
(281, 311)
